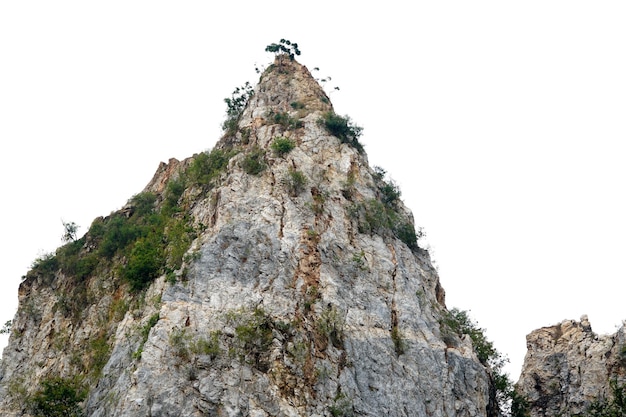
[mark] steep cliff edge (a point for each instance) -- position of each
(277, 275)
(568, 368)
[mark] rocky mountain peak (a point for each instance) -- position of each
(286, 86)
(275, 275)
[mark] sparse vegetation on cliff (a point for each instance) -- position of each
(343, 128)
(614, 406)
(457, 323)
(57, 397)
(382, 214)
(282, 146)
(235, 105)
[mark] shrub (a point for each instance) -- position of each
(45, 265)
(235, 105)
(253, 163)
(210, 347)
(118, 232)
(58, 397)
(179, 235)
(295, 182)
(284, 119)
(342, 128)
(330, 325)
(173, 192)
(179, 340)
(144, 264)
(143, 203)
(282, 145)
(254, 334)
(6, 328)
(399, 343)
(207, 166)
(99, 355)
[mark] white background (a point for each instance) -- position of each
(502, 122)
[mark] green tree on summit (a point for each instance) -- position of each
(286, 47)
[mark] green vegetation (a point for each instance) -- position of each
(145, 331)
(399, 343)
(210, 346)
(235, 105)
(295, 182)
(282, 146)
(100, 352)
(376, 217)
(58, 397)
(358, 258)
(44, 266)
(145, 262)
(254, 161)
(382, 214)
(142, 241)
(615, 406)
(330, 325)
(6, 328)
(284, 47)
(284, 119)
(70, 230)
(342, 128)
(207, 166)
(457, 323)
(341, 406)
(253, 331)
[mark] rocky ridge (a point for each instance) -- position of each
(301, 290)
(568, 367)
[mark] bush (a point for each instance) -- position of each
(282, 145)
(58, 397)
(144, 264)
(253, 331)
(330, 325)
(295, 182)
(342, 128)
(283, 119)
(207, 166)
(45, 265)
(118, 232)
(173, 192)
(253, 163)
(143, 203)
(235, 106)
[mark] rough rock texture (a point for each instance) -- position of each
(568, 366)
(291, 301)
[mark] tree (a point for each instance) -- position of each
(70, 229)
(58, 397)
(286, 47)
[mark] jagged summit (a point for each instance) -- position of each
(568, 369)
(286, 86)
(276, 275)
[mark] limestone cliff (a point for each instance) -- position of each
(277, 275)
(568, 367)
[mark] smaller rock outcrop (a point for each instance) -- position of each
(568, 367)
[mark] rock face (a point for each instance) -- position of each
(568, 366)
(302, 291)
